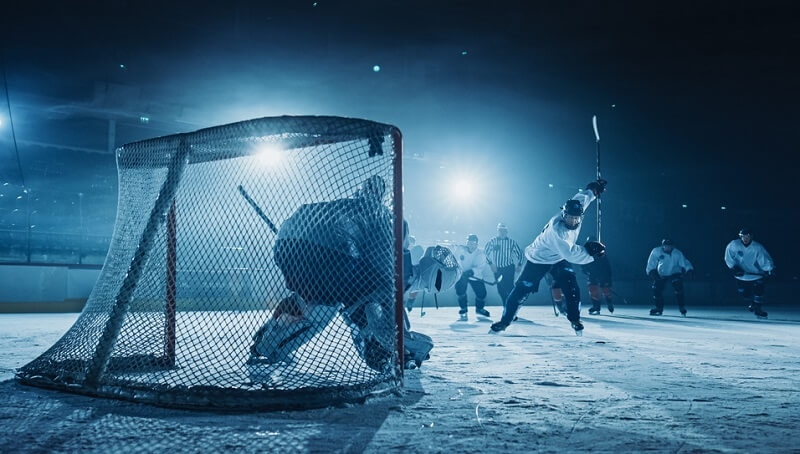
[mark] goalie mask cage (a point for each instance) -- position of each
(192, 275)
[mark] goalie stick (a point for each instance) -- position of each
(258, 209)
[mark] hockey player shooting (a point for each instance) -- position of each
(336, 257)
(555, 250)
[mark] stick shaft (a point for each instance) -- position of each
(257, 209)
(599, 176)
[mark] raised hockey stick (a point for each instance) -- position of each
(597, 143)
(258, 209)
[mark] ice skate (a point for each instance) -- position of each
(656, 311)
(482, 312)
(756, 309)
(610, 308)
(462, 315)
(683, 311)
(595, 309)
(578, 327)
(497, 327)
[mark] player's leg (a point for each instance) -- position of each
(677, 287)
(461, 294)
(658, 296)
(564, 275)
(758, 297)
(608, 295)
(527, 283)
(594, 295)
(480, 298)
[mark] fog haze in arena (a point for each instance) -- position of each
(696, 106)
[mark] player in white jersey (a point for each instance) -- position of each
(750, 264)
(665, 264)
(475, 269)
(554, 251)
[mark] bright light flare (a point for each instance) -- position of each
(465, 189)
(270, 155)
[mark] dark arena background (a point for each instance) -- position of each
(479, 113)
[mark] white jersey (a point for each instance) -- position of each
(753, 259)
(475, 261)
(667, 263)
(557, 242)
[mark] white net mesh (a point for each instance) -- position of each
(253, 265)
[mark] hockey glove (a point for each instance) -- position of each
(595, 248)
(737, 271)
(654, 275)
(468, 274)
(688, 274)
(598, 187)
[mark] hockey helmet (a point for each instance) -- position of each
(746, 235)
(572, 213)
(667, 242)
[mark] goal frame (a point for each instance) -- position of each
(166, 212)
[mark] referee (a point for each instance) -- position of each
(506, 258)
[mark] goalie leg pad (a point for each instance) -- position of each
(281, 336)
(417, 347)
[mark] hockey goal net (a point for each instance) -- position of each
(253, 265)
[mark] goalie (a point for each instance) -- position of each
(336, 257)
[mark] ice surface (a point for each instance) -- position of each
(718, 380)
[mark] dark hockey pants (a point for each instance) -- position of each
(658, 291)
(528, 282)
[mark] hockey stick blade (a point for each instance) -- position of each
(257, 209)
(475, 279)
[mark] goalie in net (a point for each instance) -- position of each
(336, 258)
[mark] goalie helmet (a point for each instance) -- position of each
(373, 188)
(572, 213)
(438, 270)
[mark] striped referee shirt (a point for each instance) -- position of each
(503, 252)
